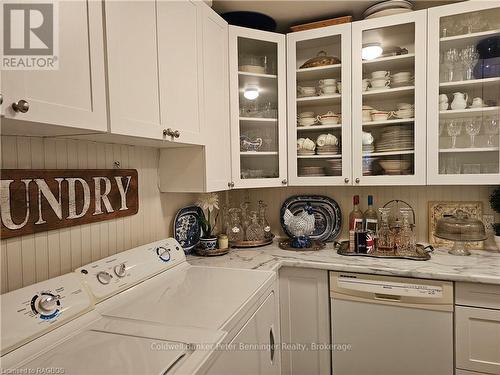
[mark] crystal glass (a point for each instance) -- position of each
(254, 231)
(385, 237)
(469, 57)
(245, 220)
(452, 165)
(491, 128)
(236, 233)
(263, 220)
(454, 130)
(451, 63)
(406, 240)
(472, 128)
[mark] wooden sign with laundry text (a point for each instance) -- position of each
(38, 200)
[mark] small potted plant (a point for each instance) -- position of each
(495, 204)
(208, 203)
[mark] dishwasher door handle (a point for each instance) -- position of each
(387, 297)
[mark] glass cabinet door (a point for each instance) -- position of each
(389, 107)
(258, 108)
(319, 123)
(464, 93)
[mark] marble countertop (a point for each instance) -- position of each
(480, 267)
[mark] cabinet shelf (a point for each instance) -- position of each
(389, 122)
(389, 153)
(471, 38)
(258, 153)
(471, 83)
(390, 62)
(259, 75)
(318, 72)
(335, 156)
(389, 92)
(318, 127)
(320, 98)
(468, 149)
(454, 113)
(258, 119)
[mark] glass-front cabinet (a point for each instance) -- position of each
(258, 108)
(464, 93)
(319, 106)
(388, 101)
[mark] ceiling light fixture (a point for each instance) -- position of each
(371, 51)
(251, 92)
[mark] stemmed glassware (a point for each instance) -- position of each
(454, 130)
(469, 57)
(451, 60)
(491, 128)
(472, 128)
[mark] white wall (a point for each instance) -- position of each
(32, 258)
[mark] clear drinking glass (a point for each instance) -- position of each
(454, 130)
(472, 128)
(491, 128)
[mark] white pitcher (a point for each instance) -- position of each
(459, 100)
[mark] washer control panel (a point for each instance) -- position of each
(38, 308)
(110, 275)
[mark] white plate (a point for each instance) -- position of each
(387, 5)
(388, 12)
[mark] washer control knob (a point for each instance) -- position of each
(104, 278)
(48, 302)
(163, 253)
(120, 270)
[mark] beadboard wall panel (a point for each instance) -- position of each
(32, 258)
(417, 196)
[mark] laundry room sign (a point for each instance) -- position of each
(37, 200)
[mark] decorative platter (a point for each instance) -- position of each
(249, 244)
(187, 228)
(327, 214)
(315, 246)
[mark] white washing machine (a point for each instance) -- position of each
(143, 311)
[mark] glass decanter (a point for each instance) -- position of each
(245, 221)
(263, 221)
(235, 233)
(406, 241)
(254, 230)
(385, 237)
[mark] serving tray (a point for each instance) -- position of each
(327, 214)
(422, 252)
(315, 246)
(249, 244)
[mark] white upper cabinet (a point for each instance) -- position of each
(133, 68)
(319, 106)
(179, 25)
(73, 97)
(258, 107)
(463, 95)
(388, 100)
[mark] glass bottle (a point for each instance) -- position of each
(236, 231)
(355, 213)
(263, 221)
(371, 217)
(244, 218)
(254, 232)
(406, 241)
(385, 237)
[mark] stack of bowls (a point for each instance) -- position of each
(405, 110)
(401, 79)
(306, 119)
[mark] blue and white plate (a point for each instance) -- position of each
(328, 223)
(187, 228)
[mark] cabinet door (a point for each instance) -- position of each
(74, 95)
(259, 330)
(477, 339)
(179, 25)
(132, 68)
(216, 101)
(388, 101)
(258, 107)
(319, 121)
(463, 94)
(305, 319)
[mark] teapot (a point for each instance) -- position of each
(459, 100)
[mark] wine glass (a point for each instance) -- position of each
(491, 128)
(469, 57)
(451, 59)
(454, 129)
(472, 128)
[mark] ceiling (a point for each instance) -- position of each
(292, 12)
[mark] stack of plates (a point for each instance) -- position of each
(303, 151)
(395, 138)
(367, 149)
(327, 150)
(310, 171)
(387, 8)
(334, 167)
(395, 166)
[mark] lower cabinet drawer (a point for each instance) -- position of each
(477, 339)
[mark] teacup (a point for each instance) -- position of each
(308, 144)
(477, 102)
(328, 90)
(366, 84)
(306, 90)
(327, 140)
(328, 82)
(381, 74)
(307, 121)
(443, 98)
(367, 138)
(380, 83)
(300, 143)
(379, 115)
(339, 87)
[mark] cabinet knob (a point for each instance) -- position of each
(284, 181)
(176, 134)
(346, 180)
(230, 184)
(170, 133)
(1, 99)
(357, 180)
(21, 106)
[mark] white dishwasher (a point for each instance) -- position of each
(384, 325)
